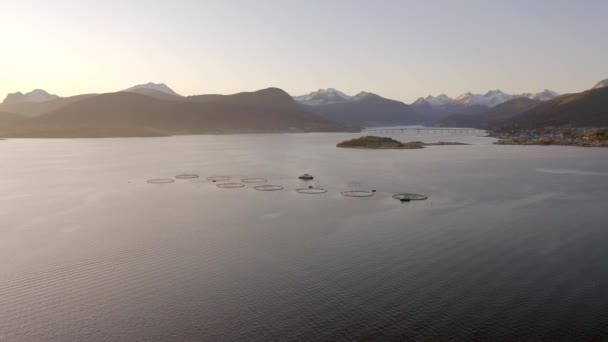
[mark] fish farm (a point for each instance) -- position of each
(223, 182)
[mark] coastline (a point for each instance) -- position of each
(553, 136)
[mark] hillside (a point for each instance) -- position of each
(586, 109)
(10, 118)
(434, 114)
(367, 111)
(155, 93)
(133, 114)
(40, 108)
(492, 116)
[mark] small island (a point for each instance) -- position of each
(373, 142)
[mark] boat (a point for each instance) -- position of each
(306, 176)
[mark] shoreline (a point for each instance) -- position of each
(51, 135)
(578, 137)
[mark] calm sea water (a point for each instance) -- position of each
(511, 244)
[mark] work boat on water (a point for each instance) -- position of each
(306, 176)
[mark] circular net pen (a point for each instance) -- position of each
(230, 185)
(406, 197)
(187, 176)
(160, 181)
(254, 180)
(311, 190)
(268, 187)
(357, 193)
(219, 178)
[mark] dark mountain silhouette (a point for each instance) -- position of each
(39, 108)
(368, 110)
(36, 95)
(586, 109)
(205, 98)
(492, 116)
(271, 98)
(133, 114)
(155, 93)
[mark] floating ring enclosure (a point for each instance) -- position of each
(160, 181)
(219, 178)
(230, 185)
(357, 193)
(254, 180)
(187, 176)
(268, 187)
(311, 191)
(409, 197)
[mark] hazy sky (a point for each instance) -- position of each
(399, 49)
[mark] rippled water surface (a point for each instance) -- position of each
(511, 244)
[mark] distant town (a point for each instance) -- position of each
(585, 137)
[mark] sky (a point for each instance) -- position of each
(398, 49)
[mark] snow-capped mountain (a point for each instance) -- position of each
(438, 101)
(361, 95)
(34, 96)
(436, 108)
(544, 95)
(159, 87)
(601, 84)
(364, 109)
(490, 99)
(323, 97)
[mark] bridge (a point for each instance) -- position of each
(424, 130)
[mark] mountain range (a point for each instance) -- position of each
(492, 116)
(141, 111)
(588, 108)
(154, 109)
(442, 106)
(364, 109)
